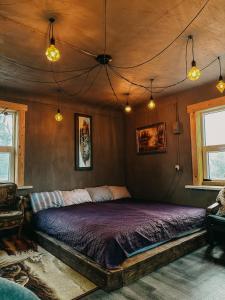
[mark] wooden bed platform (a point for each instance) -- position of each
(132, 269)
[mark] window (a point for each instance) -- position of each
(207, 121)
(213, 147)
(12, 142)
(7, 146)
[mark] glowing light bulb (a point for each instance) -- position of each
(52, 53)
(58, 116)
(194, 72)
(128, 108)
(151, 104)
(220, 85)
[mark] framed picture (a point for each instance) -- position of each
(151, 139)
(83, 142)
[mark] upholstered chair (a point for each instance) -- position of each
(11, 207)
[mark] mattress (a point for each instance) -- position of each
(109, 232)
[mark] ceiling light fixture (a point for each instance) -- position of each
(127, 107)
(221, 84)
(151, 103)
(52, 52)
(58, 116)
(194, 73)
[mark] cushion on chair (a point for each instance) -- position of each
(8, 195)
(44, 200)
(9, 219)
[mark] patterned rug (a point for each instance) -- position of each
(26, 263)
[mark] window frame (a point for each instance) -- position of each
(197, 147)
(19, 139)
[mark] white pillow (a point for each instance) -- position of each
(76, 196)
(119, 192)
(100, 193)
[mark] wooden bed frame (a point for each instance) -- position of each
(132, 268)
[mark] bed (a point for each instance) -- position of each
(110, 233)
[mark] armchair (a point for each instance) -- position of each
(11, 208)
(215, 224)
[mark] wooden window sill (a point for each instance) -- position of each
(25, 187)
(204, 187)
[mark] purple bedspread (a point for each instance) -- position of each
(109, 232)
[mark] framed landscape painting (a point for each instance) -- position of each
(151, 139)
(83, 142)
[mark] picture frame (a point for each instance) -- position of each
(83, 142)
(151, 139)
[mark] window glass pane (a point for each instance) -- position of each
(216, 165)
(6, 129)
(4, 166)
(214, 128)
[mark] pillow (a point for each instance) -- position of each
(100, 194)
(76, 196)
(221, 200)
(44, 200)
(119, 192)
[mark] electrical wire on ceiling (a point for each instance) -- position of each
(51, 82)
(82, 90)
(169, 45)
(40, 69)
(104, 59)
(77, 49)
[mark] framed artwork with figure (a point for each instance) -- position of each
(83, 142)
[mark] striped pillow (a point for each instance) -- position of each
(44, 200)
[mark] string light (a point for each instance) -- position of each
(58, 116)
(151, 103)
(128, 108)
(52, 53)
(194, 73)
(221, 84)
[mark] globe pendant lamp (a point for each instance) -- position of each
(194, 73)
(52, 53)
(221, 84)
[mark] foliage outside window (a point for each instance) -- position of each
(12, 142)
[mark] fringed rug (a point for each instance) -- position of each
(23, 262)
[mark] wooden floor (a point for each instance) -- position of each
(196, 276)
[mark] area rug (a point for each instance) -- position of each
(26, 263)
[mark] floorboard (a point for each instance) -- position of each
(197, 276)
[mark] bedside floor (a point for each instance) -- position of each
(196, 276)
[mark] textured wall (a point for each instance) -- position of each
(153, 176)
(49, 162)
(50, 148)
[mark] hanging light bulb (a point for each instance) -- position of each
(128, 108)
(58, 116)
(52, 53)
(194, 73)
(221, 84)
(151, 103)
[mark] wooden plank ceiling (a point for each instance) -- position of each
(136, 30)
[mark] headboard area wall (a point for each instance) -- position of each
(49, 151)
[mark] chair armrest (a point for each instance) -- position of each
(212, 209)
(20, 203)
